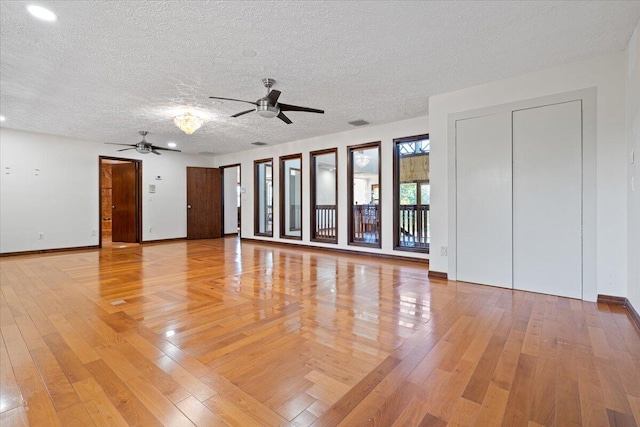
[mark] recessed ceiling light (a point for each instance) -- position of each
(249, 53)
(172, 144)
(2, 118)
(42, 13)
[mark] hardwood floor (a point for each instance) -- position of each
(217, 333)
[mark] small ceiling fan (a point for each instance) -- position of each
(269, 106)
(143, 147)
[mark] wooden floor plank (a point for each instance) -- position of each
(10, 395)
(493, 407)
(519, 403)
(592, 405)
(635, 408)
(32, 388)
(543, 406)
(16, 417)
(224, 332)
(157, 403)
(465, 413)
(80, 347)
(122, 398)
(76, 416)
(97, 403)
(199, 414)
(612, 387)
(60, 389)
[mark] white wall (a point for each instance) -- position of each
(633, 169)
(384, 133)
(62, 200)
(607, 74)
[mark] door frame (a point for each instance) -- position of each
(138, 190)
(222, 168)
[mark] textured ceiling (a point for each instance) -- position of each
(107, 69)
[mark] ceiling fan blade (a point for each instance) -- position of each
(153, 150)
(273, 96)
(153, 147)
(125, 149)
(284, 118)
(231, 99)
(287, 107)
(244, 112)
(115, 143)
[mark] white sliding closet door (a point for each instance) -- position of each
(483, 199)
(547, 199)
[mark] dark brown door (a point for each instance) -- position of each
(204, 203)
(123, 211)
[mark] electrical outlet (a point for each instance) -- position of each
(150, 229)
(94, 232)
(443, 251)
(41, 235)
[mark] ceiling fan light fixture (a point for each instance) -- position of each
(188, 123)
(267, 111)
(143, 148)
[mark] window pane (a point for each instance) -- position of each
(364, 195)
(323, 197)
(291, 197)
(409, 194)
(425, 194)
(411, 180)
(264, 198)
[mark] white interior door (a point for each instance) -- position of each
(547, 199)
(483, 198)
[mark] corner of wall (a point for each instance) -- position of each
(633, 168)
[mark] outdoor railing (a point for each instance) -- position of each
(414, 226)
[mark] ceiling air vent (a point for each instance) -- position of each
(259, 143)
(359, 122)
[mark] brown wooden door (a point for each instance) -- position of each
(204, 203)
(123, 211)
